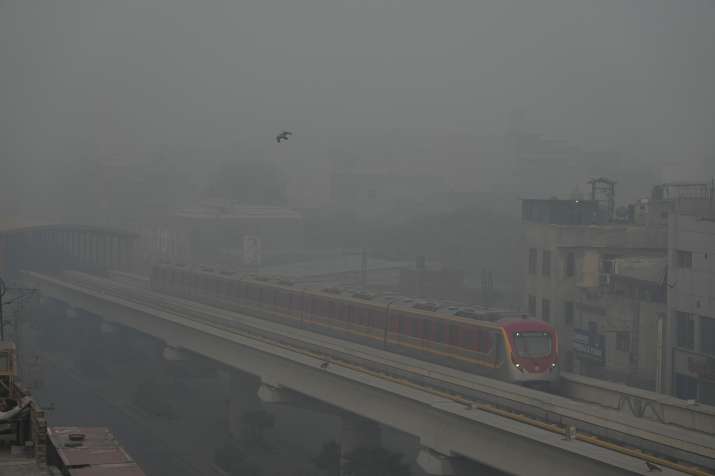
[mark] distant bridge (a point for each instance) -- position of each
(63, 246)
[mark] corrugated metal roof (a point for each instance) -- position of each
(94, 447)
(128, 469)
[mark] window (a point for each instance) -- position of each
(707, 335)
(532, 260)
(685, 330)
(684, 259)
(568, 312)
(532, 305)
(545, 310)
(546, 263)
(570, 265)
(623, 341)
(533, 344)
(438, 332)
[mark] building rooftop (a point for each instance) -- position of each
(331, 265)
(232, 211)
(91, 451)
(561, 212)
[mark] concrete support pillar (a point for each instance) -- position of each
(435, 463)
(242, 397)
(270, 392)
(174, 354)
(106, 328)
(357, 432)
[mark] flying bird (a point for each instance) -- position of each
(652, 467)
(283, 136)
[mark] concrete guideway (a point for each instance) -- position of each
(608, 426)
(446, 426)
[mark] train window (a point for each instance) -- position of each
(485, 343)
(318, 307)
(367, 317)
(394, 321)
(468, 339)
(377, 319)
(282, 298)
(453, 334)
(364, 317)
(427, 329)
(438, 331)
(416, 328)
(404, 325)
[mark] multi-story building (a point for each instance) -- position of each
(690, 366)
(632, 294)
(574, 281)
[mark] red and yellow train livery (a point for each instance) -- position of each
(503, 345)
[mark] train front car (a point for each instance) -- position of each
(532, 352)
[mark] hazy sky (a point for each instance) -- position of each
(624, 73)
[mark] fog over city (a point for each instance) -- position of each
(401, 151)
(138, 79)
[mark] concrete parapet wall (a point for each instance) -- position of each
(640, 403)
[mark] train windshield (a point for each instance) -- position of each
(533, 344)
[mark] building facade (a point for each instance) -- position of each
(632, 296)
(691, 306)
(583, 276)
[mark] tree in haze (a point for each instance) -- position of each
(233, 460)
(328, 460)
(254, 424)
(249, 181)
(375, 462)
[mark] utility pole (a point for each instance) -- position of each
(363, 269)
(3, 290)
